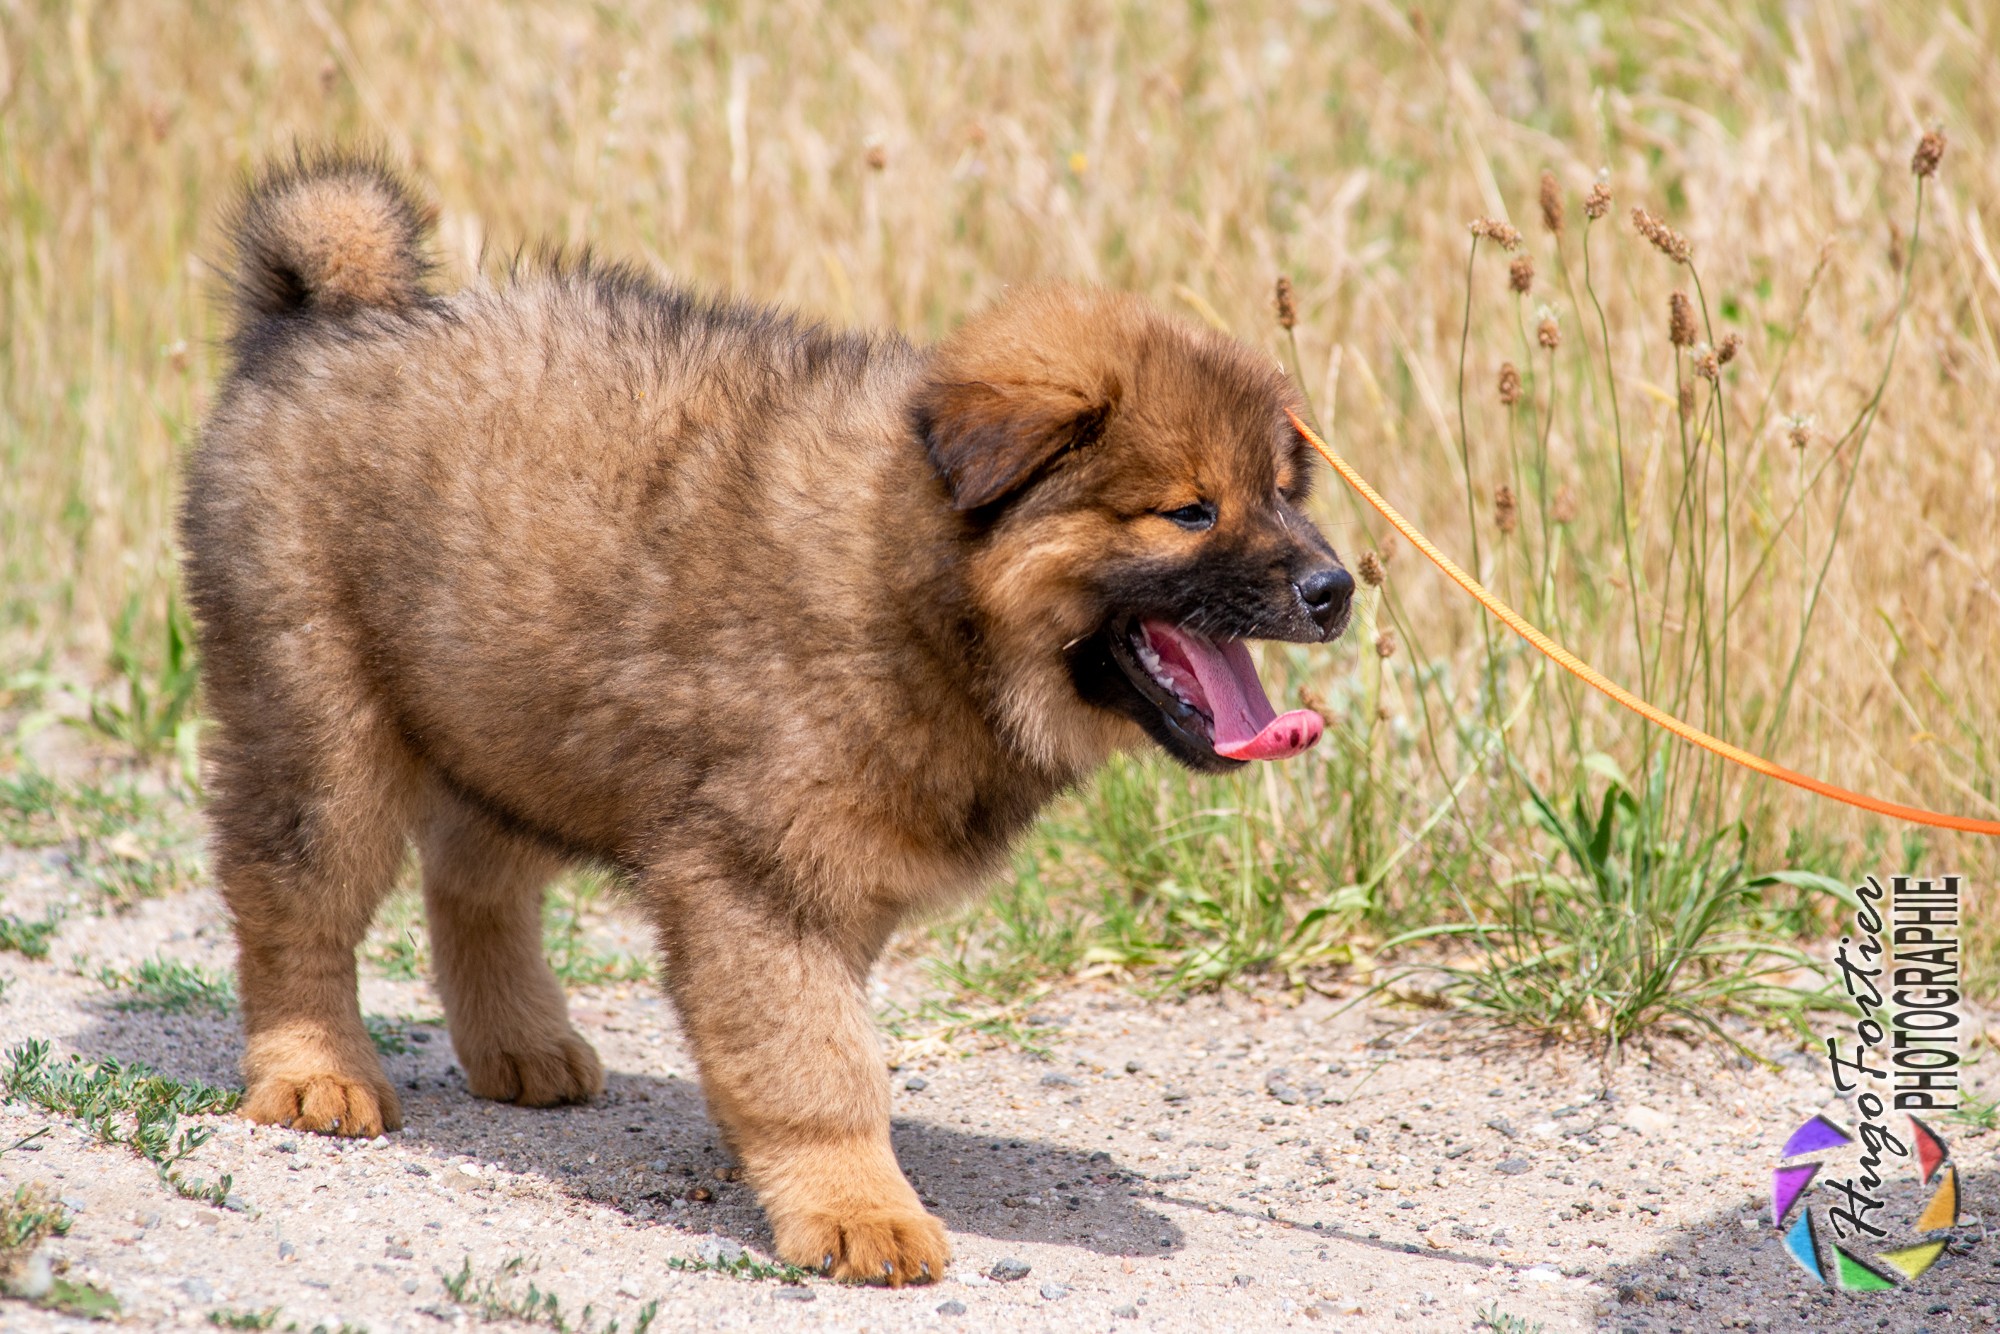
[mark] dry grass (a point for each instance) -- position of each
(900, 164)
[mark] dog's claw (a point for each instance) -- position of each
(826, 1262)
(924, 1268)
(889, 1268)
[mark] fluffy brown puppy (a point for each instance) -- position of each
(795, 628)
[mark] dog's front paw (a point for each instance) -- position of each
(326, 1080)
(325, 1104)
(535, 1072)
(883, 1244)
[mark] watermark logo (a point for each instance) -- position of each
(1900, 967)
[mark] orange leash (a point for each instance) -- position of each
(1595, 679)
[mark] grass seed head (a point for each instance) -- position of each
(1548, 333)
(1506, 512)
(1369, 567)
(1521, 274)
(1385, 644)
(1552, 202)
(1287, 304)
(1510, 384)
(1664, 238)
(877, 157)
(1598, 202)
(1503, 234)
(1563, 507)
(1680, 320)
(1727, 350)
(1930, 151)
(1798, 429)
(1707, 363)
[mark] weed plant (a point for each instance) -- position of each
(29, 938)
(118, 841)
(123, 1104)
(149, 707)
(170, 986)
(501, 1296)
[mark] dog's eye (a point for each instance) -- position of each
(1195, 518)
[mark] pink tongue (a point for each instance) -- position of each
(1246, 727)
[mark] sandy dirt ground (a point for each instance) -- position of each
(1226, 1163)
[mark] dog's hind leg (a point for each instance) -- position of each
(307, 841)
(775, 1009)
(509, 1022)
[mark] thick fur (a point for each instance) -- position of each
(795, 628)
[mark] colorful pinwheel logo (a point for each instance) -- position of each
(1791, 1181)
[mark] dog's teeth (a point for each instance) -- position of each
(1156, 669)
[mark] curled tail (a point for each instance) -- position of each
(327, 234)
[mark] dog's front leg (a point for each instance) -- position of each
(772, 1000)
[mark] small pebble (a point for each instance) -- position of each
(1243, 1280)
(1054, 1080)
(1009, 1269)
(1054, 1292)
(32, 1279)
(1133, 1068)
(715, 1251)
(1512, 1167)
(286, 1250)
(1124, 1313)
(795, 1293)
(916, 1083)
(952, 1307)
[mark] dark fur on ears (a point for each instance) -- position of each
(989, 440)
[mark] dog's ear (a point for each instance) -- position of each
(989, 440)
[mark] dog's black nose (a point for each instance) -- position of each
(1326, 593)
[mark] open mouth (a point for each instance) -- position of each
(1208, 691)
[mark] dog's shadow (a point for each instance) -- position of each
(647, 1149)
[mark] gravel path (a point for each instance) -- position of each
(1226, 1163)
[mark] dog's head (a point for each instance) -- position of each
(1134, 491)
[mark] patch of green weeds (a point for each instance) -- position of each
(743, 1265)
(129, 1105)
(124, 843)
(1976, 1110)
(945, 1023)
(149, 705)
(264, 1319)
(171, 986)
(499, 1296)
(1192, 883)
(28, 1218)
(398, 944)
(36, 811)
(393, 1037)
(1500, 1322)
(1628, 925)
(125, 872)
(29, 938)
(571, 954)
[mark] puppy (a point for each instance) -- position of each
(796, 628)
